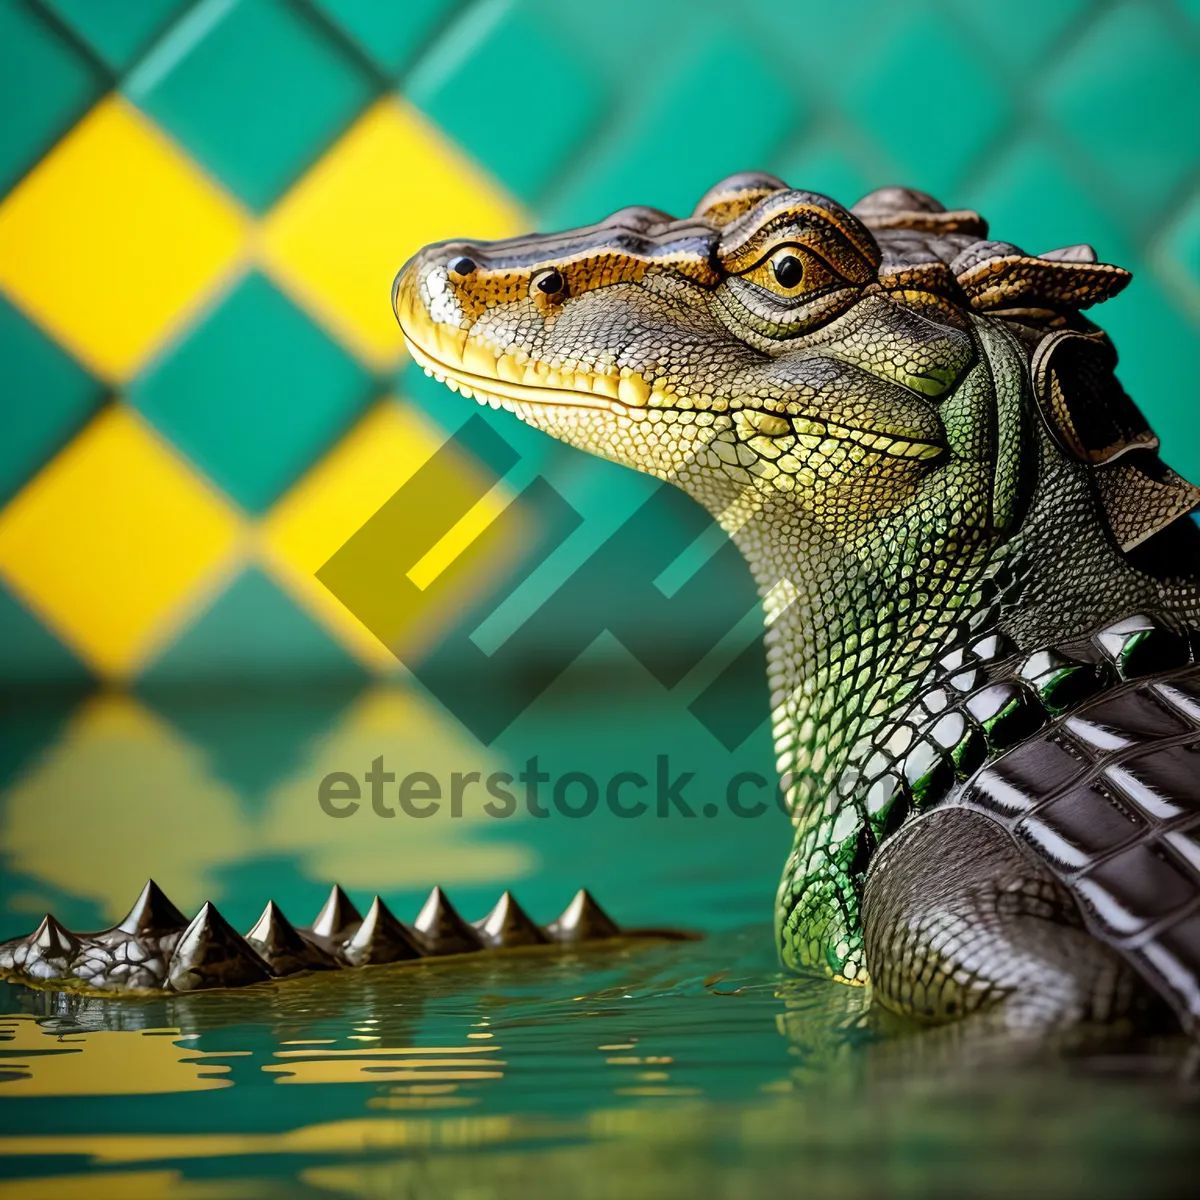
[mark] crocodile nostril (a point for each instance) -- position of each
(462, 266)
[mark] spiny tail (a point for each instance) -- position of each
(156, 948)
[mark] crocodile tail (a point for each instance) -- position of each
(156, 948)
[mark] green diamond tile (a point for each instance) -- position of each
(1177, 254)
(117, 30)
(29, 653)
(45, 83)
(1160, 364)
(499, 51)
(1031, 196)
(254, 393)
(629, 31)
(390, 34)
(818, 42)
(825, 166)
(253, 683)
(254, 89)
(683, 127)
(47, 398)
(923, 96)
(1020, 31)
(1128, 94)
(1190, 9)
(253, 738)
(252, 633)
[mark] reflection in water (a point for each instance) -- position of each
(634, 1070)
(61, 825)
(133, 1185)
(40, 1061)
(430, 1064)
(643, 1069)
(127, 796)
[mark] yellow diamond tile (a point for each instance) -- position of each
(111, 537)
(342, 492)
(115, 238)
(390, 185)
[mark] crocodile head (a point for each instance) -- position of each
(748, 353)
(872, 401)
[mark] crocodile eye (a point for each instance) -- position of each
(794, 274)
(550, 283)
(789, 271)
(461, 266)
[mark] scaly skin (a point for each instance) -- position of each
(850, 394)
(968, 552)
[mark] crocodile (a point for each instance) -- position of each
(980, 582)
(155, 948)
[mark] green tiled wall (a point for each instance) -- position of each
(1061, 121)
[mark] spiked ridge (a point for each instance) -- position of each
(582, 920)
(509, 925)
(442, 930)
(156, 948)
(211, 953)
(46, 953)
(338, 917)
(380, 939)
(283, 947)
(152, 913)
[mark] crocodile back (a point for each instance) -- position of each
(1107, 795)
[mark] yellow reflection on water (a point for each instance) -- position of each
(353, 1136)
(370, 1065)
(116, 802)
(126, 1185)
(110, 806)
(105, 1063)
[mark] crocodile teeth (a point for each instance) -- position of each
(633, 390)
(211, 953)
(380, 939)
(283, 947)
(509, 369)
(152, 914)
(478, 361)
(582, 920)
(442, 930)
(509, 925)
(338, 917)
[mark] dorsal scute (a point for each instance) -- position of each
(735, 196)
(925, 248)
(906, 208)
(997, 275)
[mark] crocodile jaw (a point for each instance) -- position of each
(522, 384)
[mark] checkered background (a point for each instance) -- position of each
(204, 203)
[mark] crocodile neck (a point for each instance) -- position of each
(853, 651)
(848, 644)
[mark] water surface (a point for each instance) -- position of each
(632, 1069)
